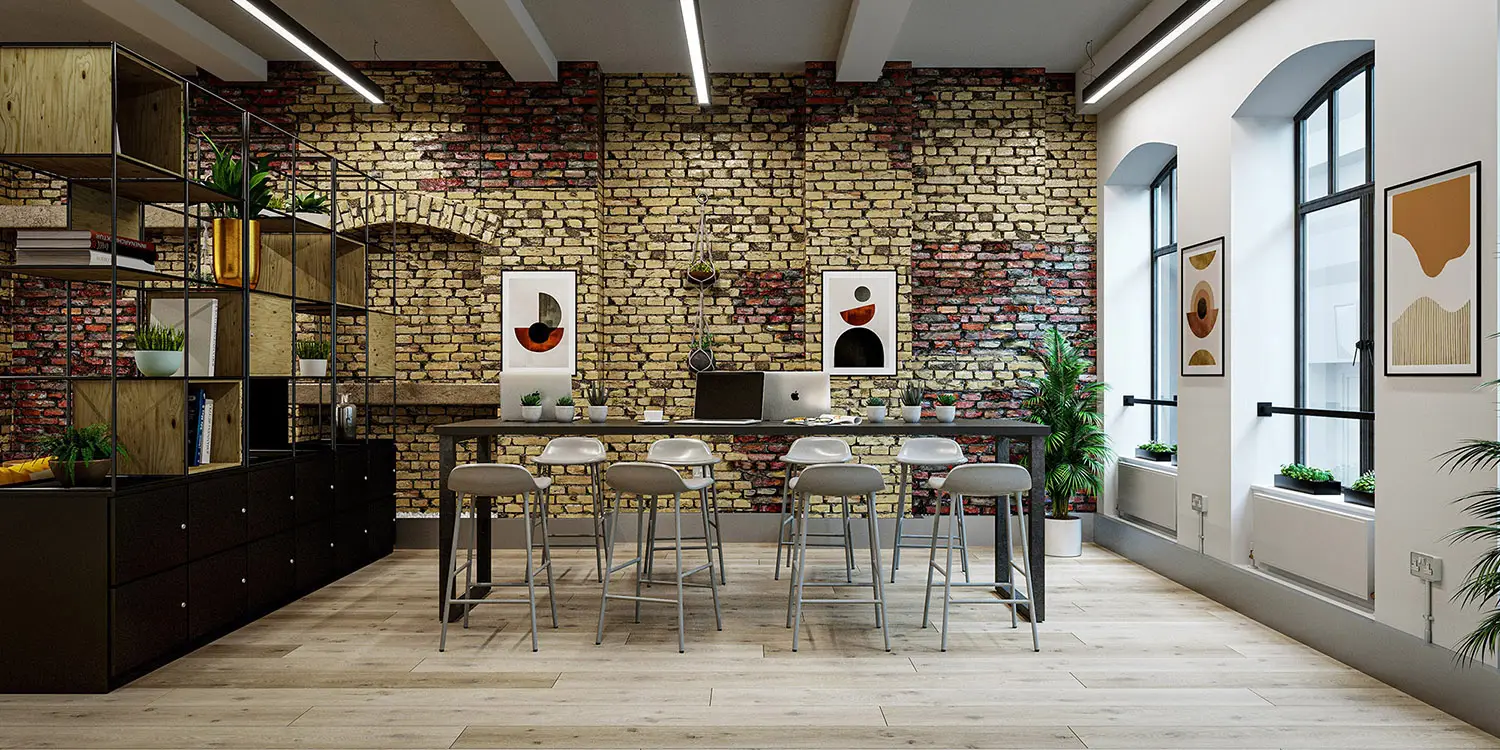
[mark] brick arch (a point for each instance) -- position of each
(425, 209)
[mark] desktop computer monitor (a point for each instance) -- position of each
(729, 395)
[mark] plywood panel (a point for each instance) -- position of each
(150, 424)
(151, 114)
(270, 336)
(382, 345)
(90, 210)
(55, 100)
(227, 415)
(310, 269)
(351, 269)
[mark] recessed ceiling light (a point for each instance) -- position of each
(278, 21)
(1185, 17)
(695, 49)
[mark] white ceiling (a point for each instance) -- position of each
(631, 35)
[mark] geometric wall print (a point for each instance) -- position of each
(1432, 275)
(539, 321)
(1203, 309)
(859, 322)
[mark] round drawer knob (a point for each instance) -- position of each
(183, 527)
(242, 580)
(291, 561)
(291, 497)
(183, 605)
(242, 510)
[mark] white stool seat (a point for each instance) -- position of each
(839, 480)
(681, 452)
(926, 451)
(572, 451)
(646, 478)
(984, 480)
(495, 480)
(818, 450)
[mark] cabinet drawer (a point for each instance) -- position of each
(352, 472)
(149, 619)
(381, 516)
(314, 476)
(270, 494)
(149, 532)
(314, 555)
(216, 592)
(216, 514)
(350, 550)
(382, 469)
(271, 570)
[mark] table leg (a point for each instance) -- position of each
(483, 512)
(1037, 585)
(1002, 530)
(447, 508)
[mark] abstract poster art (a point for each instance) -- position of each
(539, 321)
(1432, 275)
(1203, 309)
(859, 322)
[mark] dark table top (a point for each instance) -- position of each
(1009, 428)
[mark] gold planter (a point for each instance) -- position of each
(229, 251)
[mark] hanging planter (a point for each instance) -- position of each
(702, 272)
(701, 355)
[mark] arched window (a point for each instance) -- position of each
(1335, 260)
(1165, 318)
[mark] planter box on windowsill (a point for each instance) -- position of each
(1154, 455)
(1331, 487)
(1359, 497)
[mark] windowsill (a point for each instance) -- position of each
(1164, 467)
(1323, 502)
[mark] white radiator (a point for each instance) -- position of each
(1147, 495)
(1326, 546)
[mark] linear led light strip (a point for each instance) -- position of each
(695, 49)
(346, 74)
(1161, 44)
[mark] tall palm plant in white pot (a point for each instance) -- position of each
(1078, 448)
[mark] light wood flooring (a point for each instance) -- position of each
(1129, 660)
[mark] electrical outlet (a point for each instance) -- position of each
(1427, 567)
(1197, 502)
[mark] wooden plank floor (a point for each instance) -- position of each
(1129, 660)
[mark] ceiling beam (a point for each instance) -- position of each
(869, 36)
(186, 34)
(507, 29)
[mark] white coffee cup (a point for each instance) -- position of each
(655, 415)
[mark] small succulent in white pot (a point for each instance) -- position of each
(875, 409)
(911, 403)
(947, 407)
(531, 406)
(158, 351)
(598, 399)
(564, 409)
(312, 358)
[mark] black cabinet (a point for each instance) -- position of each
(149, 531)
(148, 619)
(314, 476)
(216, 514)
(271, 571)
(217, 593)
(352, 467)
(382, 468)
(380, 518)
(270, 495)
(314, 554)
(350, 550)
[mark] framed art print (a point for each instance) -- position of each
(1432, 275)
(539, 321)
(859, 322)
(1203, 309)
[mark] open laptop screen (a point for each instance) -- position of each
(729, 395)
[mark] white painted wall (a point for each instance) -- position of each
(1435, 108)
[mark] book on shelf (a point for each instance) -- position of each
(194, 424)
(79, 258)
(206, 428)
(83, 239)
(201, 330)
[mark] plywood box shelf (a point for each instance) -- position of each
(270, 349)
(152, 417)
(307, 263)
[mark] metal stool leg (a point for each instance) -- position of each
(713, 494)
(880, 615)
(458, 522)
(596, 488)
(963, 545)
(791, 586)
(783, 539)
(713, 582)
(544, 503)
(609, 565)
(932, 560)
(650, 563)
(530, 570)
(800, 572)
(1036, 644)
(681, 616)
(901, 509)
(955, 509)
(469, 562)
(848, 542)
(642, 553)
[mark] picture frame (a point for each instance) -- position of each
(539, 321)
(1204, 309)
(859, 322)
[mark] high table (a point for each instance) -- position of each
(1000, 431)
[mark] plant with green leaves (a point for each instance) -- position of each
(311, 203)
(314, 349)
(947, 399)
(911, 394)
(874, 401)
(1305, 473)
(159, 338)
(701, 270)
(1063, 398)
(227, 176)
(80, 445)
(1481, 585)
(1155, 447)
(532, 399)
(703, 342)
(1365, 483)
(565, 400)
(595, 394)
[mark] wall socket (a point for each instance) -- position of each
(1427, 567)
(1197, 502)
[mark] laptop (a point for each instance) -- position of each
(514, 385)
(796, 394)
(728, 398)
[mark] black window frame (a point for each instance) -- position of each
(1364, 194)
(1159, 252)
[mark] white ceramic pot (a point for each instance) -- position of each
(158, 364)
(911, 413)
(598, 413)
(531, 413)
(945, 413)
(563, 413)
(875, 414)
(1064, 537)
(312, 368)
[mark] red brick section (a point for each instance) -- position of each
(774, 300)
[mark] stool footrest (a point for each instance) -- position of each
(627, 597)
(838, 584)
(842, 601)
(489, 601)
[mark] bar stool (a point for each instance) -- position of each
(693, 454)
(809, 451)
(843, 481)
(653, 481)
(929, 452)
(496, 480)
(578, 451)
(1006, 481)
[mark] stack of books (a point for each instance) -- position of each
(201, 425)
(80, 247)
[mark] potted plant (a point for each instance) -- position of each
(531, 406)
(875, 409)
(563, 410)
(311, 208)
(1078, 448)
(702, 272)
(911, 403)
(230, 228)
(1481, 584)
(598, 399)
(312, 358)
(947, 408)
(158, 350)
(1308, 479)
(80, 457)
(701, 353)
(1362, 492)
(1154, 451)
